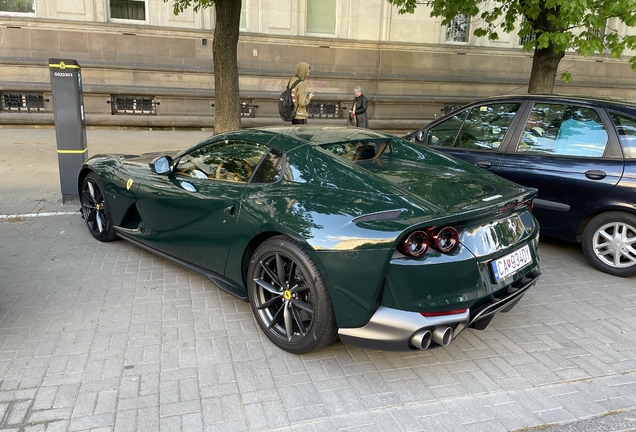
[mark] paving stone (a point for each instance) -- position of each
(156, 347)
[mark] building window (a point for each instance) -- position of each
(128, 9)
(243, 23)
(321, 16)
(529, 37)
(17, 6)
(457, 30)
(598, 32)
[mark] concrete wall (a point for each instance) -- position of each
(405, 69)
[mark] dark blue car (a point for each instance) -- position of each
(580, 153)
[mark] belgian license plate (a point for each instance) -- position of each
(510, 264)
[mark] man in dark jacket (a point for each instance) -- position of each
(359, 109)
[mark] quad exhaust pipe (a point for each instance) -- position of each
(423, 338)
(443, 335)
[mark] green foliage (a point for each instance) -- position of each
(181, 5)
(580, 25)
(566, 76)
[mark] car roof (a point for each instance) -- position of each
(326, 134)
(619, 104)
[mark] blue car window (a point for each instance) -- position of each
(565, 130)
(626, 128)
(483, 128)
(444, 133)
(541, 129)
(227, 161)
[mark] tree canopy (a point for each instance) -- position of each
(550, 27)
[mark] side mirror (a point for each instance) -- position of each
(420, 135)
(162, 165)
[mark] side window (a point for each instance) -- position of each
(226, 161)
(270, 170)
(626, 128)
(483, 128)
(565, 130)
(444, 133)
(356, 150)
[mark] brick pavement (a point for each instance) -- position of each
(107, 337)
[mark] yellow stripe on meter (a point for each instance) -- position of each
(72, 151)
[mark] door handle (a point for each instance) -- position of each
(484, 164)
(595, 174)
(230, 210)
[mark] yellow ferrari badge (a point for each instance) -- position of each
(129, 184)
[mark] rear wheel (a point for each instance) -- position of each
(95, 210)
(289, 298)
(609, 243)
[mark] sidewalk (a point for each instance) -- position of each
(106, 337)
(29, 163)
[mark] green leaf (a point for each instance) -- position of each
(566, 76)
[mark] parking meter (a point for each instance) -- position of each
(70, 128)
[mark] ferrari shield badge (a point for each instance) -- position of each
(129, 184)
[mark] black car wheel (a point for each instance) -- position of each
(95, 210)
(289, 298)
(609, 242)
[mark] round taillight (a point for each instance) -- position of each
(446, 239)
(416, 244)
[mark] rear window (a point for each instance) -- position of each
(357, 150)
(626, 128)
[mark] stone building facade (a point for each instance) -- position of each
(144, 66)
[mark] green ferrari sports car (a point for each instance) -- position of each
(328, 232)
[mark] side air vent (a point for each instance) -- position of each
(383, 215)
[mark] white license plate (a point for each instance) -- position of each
(510, 264)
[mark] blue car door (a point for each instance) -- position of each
(563, 151)
(476, 134)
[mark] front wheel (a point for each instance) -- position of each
(289, 298)
(609, 243)
(95, 210)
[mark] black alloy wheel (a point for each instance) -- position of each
(289, 298)
(95, 210)
(609, 243)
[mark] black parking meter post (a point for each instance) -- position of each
(70, 127)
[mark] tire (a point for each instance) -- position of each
(609, 243)
(296, 314)
(95, 210)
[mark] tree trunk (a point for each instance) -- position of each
(227, 110)
(544, 68)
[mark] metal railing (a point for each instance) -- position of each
(449, 108)
(22, 102)
(248, 109)
(326, 110)
(133, 105)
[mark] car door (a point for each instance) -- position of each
(565, 151)
(191, 214)
(476, 134)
